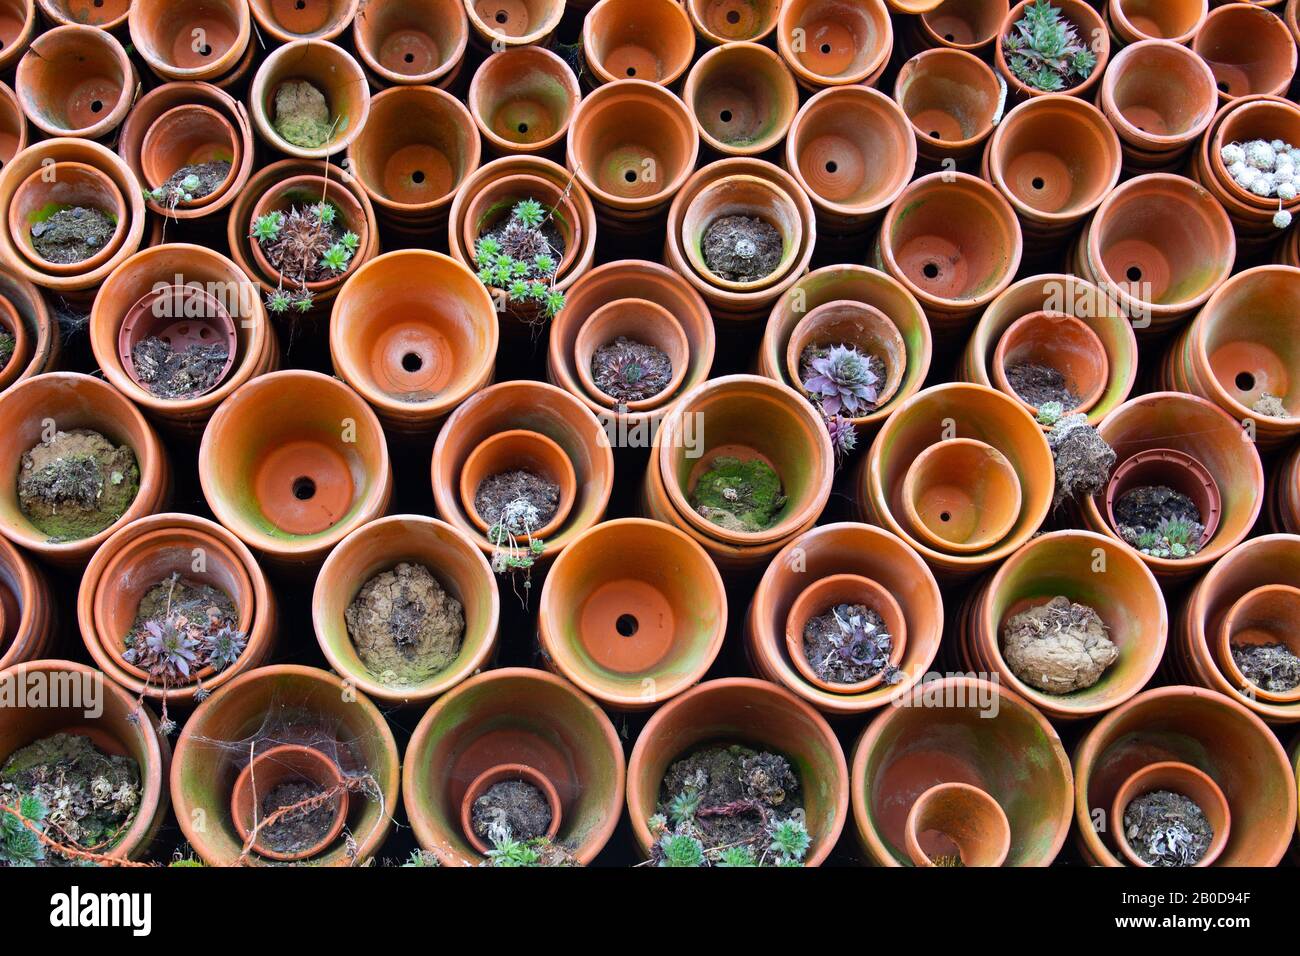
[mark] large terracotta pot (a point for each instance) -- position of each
(1092, 32)
(284, 704)
(835, 43)
(123, 727)
(728, 21)
(108, 16)
(292, 462)
(27, 632)
(411, 42)
(970, 25)
(1213, 439)
(953, 100)
(522, 716)
(523, 100)
(757, 714)
(27, 304)
(1212, 733)
(1133, 21)
(518, 23)
(76, 81)
(743, 98)
(380, 546)
(415, 333)
(1284, 493)
(333, 72)
(17, 27)
(637, 39)
(190, 39)
(13, 125)
(844, 549)
(1249, 49)
(961, 730)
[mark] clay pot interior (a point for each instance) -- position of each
(828, 593)
(956, 820)
(519, 449)
(1161, 19)
(188, 135)
(724, 21)
(638, 39)
(965, 24)
(66, 186)
(520, 20)
(743, 98)
(333, 72)
(1056, 341)
(501, 774)
(181, 316)
(1252, 348)
(857, 325)
(1159, 94)
(75, 81)
(279, 766)
(293, 19)
(1266, 615)
(167, 36)
(1249, 50)
(492, 206)
(1172, 469)
(842, 42)
(747, 196)
(412, 41)
(525, 97)
(108, 14)
(1180, 778)
(639, 320)
(950, 96)
(961, 495)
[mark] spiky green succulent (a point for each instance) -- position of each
(1044, 50)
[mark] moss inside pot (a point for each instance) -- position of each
(1059, 647)
(404, 625)
(76, 484)
(1160, 521)
(739, 495)
(66, 235)
(1045, 51)
(301, 114)
(519, 250)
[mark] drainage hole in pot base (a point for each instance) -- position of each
(303, 487)
(627, 627)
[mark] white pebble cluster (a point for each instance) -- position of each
(1267, 169)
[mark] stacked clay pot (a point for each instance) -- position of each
(1133, 21)
(21, 304)
(953, 100)
(743, 99)
(727, 21)
(20, 27)
(285, 22)
(164, 32)
(523, 100)
(26, 601)
(841, 43)
(521, 24)
(968, 25)
(411, 42)
(1284, 493)
(637, 39)
(76, 81)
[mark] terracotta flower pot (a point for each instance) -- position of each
(276, 767)
(135, 282)
(945, 412)
(501, 774)
(1249, 49)
(518, 449)
(755, 713)
(292, 462)
(410, 42)
(19, 297)
(61, 186)
(514, 715)
(275, 705)
(328, 68)
(76, 81)
(1160, 246)
(960, 820)
(1087, 568)
(954, 243)
(1206, 434)
(637, 39)
(632, 146)
(828, 593)
(968, 731)
(491, 206)
(288, 20)
(953, 100)
(835, 43)
(1212, 733)
(123, 728)
(523, 100)
(743, 98)
(1261, 616)
(1133, 21)
(1167, 468)
(970, 25)
(640, 320)
(1058, 341)
(188, 135)
(415, 333)
(537, 407)
(856, 324)
(72, 401)
(182, 316)
(1054, 158)
(13, 125)
(1183, 779)
(188, 40)
(417, 147)
(109, 16)
(727, 21)
(961, 496)
(1284, 490)
(500, 24)
(1092, 32)
(17, 27)
(27, 606)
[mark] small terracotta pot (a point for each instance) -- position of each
(1055, 340)
(302, 192)
(1266, 118)
(1133, 21)
(824, 595)
(958, 820)
(1092, 32)
(523, 100)
(1205, 433)
(21, 299)
(292, 462)
(13, 125)
(523, 716)
(637, 39)
(63, 186)
(961, 496)
(953, 100)
(417, 147)
(1215, 735)
(1261, 616)
(188, 40)
(1249, 49)
(501, 24)
(328, 68)
(856, 324)
(518, 449)
(640, 320)
(285, 764)
(123, 727)
(181, 316)
(633, 613)
(28, 610)
(502, 774)
(754, 713)
(954, 243)
(186, 135)
(970, 25)
(410, 42)
(1168, 468)
(743, 98)
(1183, 779)
(491, 205)
(966, 731)
(17, 27)
(109, 16)
(76, 81)
(327, 715)
(835, 43)
(728, 21)
(288, 20)
(415, 333)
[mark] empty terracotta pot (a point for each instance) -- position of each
(13, 125)
(61, 186)
(753, 713)
(1262, 616)
(1057, 341)
(727, 21)
(827, 594)
(190, 39)
(417, 147)
(967, 731)
(410, 42)
(17, 27)
(1185, 780)
(76, 81)
(639, 320)
(108, 15)
(1092, 32)
(28, 611)
(502, 774)
(287, 20)
(954, 242)
(518, 449)
(855, 324)
(1167, 468)
(1206, 434)
(743, 98)
(970, 25)
(523, 716)
(27, 304)
(835, 43)
(961, 496)
(501, 24)
(415, 333)
(125, 727)
(190, 134)
(523, 100)
(853, 151)
(957, 820)
(741, 195)
(328, 68)
(637, 39)
(952, 99)
(1249, 49)
(275, 705)
(1089, 569)
(292, 462)
(1133, 21)
(1215, 735)
(280, 766)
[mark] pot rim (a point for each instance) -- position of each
(970, 793)
(168, 71)
(1095, 345)
(557, 68)
(500, 774)
(125, 99)
(445, 69)
(787, 91)
(907, 72)
(567, 478)
(664, 318)
(879, 596)
(1221, 648)
(912, 476)
(1139, 778)
(260, 91)
(243, 781)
